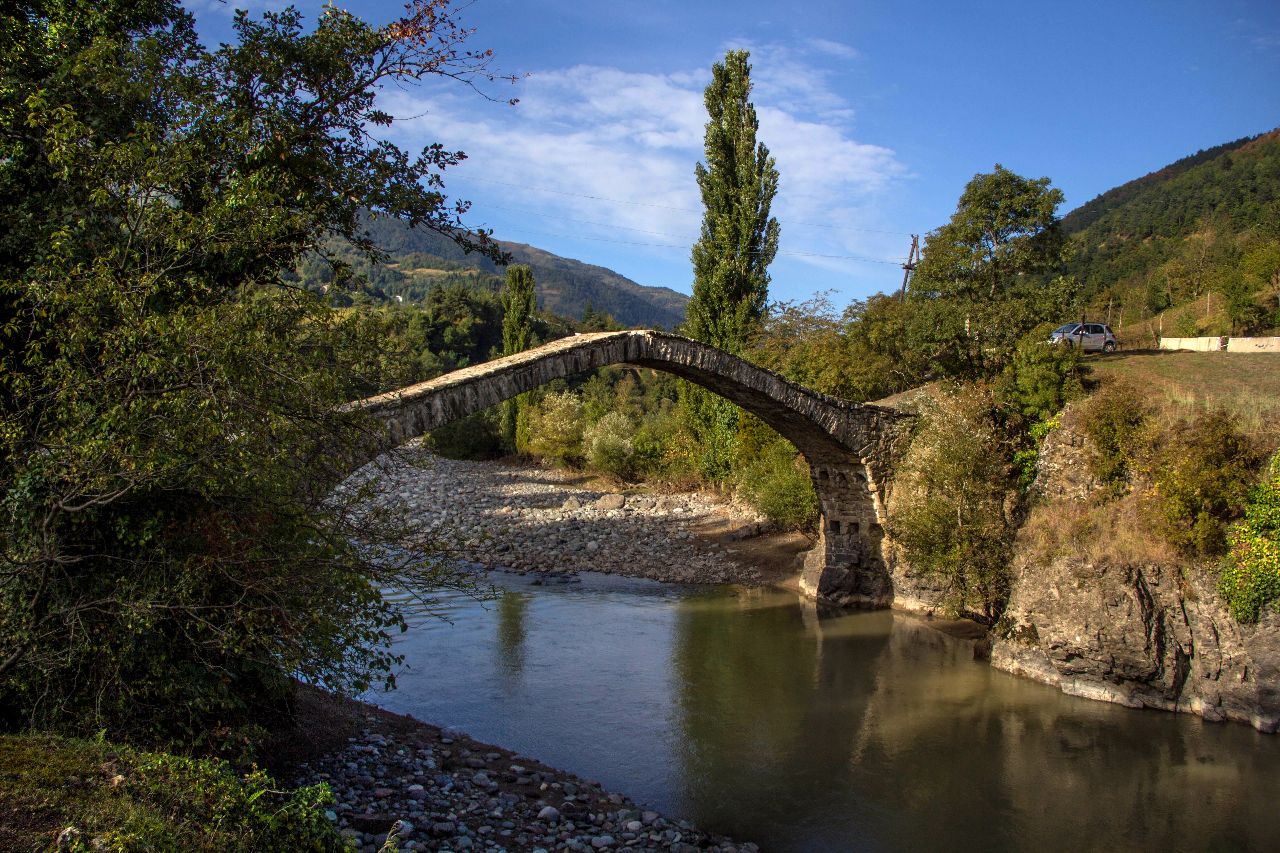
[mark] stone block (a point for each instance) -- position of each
(1193, 344)
(1254, 345)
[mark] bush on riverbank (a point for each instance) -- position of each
(171, 426)
(1191, 472)
(1250, 578)
(956, 511)
(118, 798)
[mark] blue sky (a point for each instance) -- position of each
(877, 114)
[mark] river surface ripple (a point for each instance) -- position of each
(758, 716)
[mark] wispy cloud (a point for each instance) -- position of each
(1262, 37)
(833, 48)
(613, 151)
(1265, 41)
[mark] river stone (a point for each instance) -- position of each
(549, 813)
(606, 502)
(372, 823)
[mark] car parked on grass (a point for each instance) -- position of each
(1086, 337)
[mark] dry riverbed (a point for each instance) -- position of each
(547, 520)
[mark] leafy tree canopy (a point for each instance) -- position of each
(168, 433)
(988, 275)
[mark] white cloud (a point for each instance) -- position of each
(584, 140)
(833, 48)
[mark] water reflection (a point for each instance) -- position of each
(761, 716)
(513, 606)
(874, 731)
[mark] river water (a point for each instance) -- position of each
(757, 716)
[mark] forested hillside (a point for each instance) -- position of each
(1206, 226)
(421, 260)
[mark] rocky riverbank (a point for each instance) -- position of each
(422, 788)
(536, 519)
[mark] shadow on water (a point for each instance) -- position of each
(757, 715)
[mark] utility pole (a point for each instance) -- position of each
(913, 258)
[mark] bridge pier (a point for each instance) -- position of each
(847, 565)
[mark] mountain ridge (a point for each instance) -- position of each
(420, 259)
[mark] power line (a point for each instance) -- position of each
(667, 206)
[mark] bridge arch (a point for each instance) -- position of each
(850, 447)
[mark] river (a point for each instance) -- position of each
(755, 715)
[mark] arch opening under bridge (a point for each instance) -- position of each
(850, 447)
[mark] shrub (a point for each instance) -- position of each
(664, 448)
(1201, 477)
(1027, 459)
(1250, 577)
(1186, 326)
(777, 484)
(477, 436)
(608, 447)
(121, 799)
(1115, 419)
(954, 494)
(556, 426)
(1042, 378)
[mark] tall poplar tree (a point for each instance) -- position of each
(739, 238)
(738, 242)
(518, 305)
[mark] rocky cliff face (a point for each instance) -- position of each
(1143, 634)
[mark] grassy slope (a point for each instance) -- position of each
(1247, 384)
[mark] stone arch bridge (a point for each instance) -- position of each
(850, 448)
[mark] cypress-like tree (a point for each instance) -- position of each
(739, 239)
(737, 243)
(518, 305)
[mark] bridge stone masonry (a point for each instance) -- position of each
(850, 448)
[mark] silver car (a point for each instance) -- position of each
(1086, 337)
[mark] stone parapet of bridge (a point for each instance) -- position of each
(850, 447)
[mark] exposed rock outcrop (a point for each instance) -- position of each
(1152, 635)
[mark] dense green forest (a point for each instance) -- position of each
(1206, 227)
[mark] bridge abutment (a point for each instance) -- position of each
(847, 565)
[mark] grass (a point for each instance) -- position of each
(1114, 532)
(1181, 383)
(1123, 530)
(121, 799)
